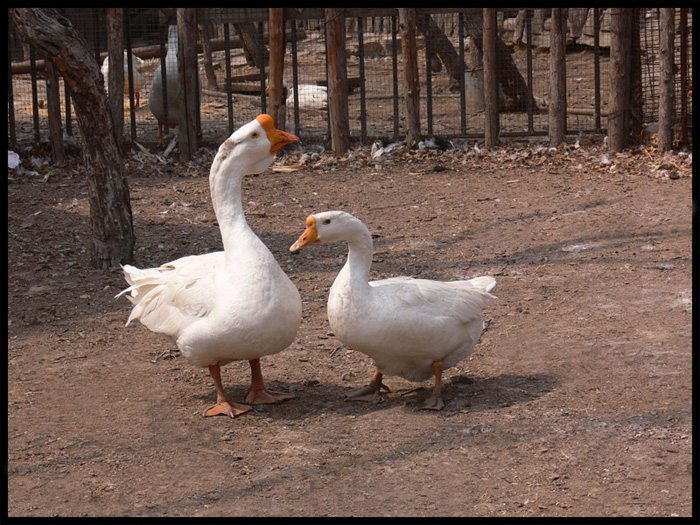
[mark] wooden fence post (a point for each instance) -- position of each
(276, 42)
(409, 58)
(188, 89)
(115, 80)
(557, 78)
(684, 75)
(620, 69)
(490, 79)
(337, 80)
(666, 24)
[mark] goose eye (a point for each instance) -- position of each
(255, 134)
(327, 221)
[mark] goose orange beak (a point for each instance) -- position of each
(277, 137)
(309, 237)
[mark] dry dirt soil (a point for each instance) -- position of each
(577, 401)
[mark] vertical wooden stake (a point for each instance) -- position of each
(188, 89)
(620, 62)
(557, 78)
(115, 80)
(53, 101)
(666, 79)
(337, 80)
(35, 95)
(411, 79)
(490, 79)
(684, 75)
(276, 42)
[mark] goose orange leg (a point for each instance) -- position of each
(370, 392)
(224, 406)
(434, 402)
(257, 393)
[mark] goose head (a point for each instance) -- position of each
(330, 226)
(251, 149)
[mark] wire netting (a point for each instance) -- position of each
(233, 56)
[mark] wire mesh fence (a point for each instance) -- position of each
(233, 57)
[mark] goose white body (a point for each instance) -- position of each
(406, 324)
(139, 78)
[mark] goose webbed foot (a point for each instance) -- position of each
(257, 393)
(264, 396)
(227, 408)
(434, 402)
(370, 392)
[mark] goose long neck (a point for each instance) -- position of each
(360, 251)
(172, 40)
(228, 208)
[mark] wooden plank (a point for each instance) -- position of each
(352, 82)
(222, 15)
(367, 12)
(146, 52)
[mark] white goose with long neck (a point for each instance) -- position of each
(413, 328)
(236, 304)
(155, 98)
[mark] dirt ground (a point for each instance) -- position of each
(577, 401)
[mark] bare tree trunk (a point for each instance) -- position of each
(576, 20)
(557, 78)
(409, 57)
(520, 28)
(439, 46)
(538, 20)
(249, 39)
(108, 192)
(490, 78)
(620, 61)
(337, 80)
(115, 80)
(518, 96)
(205, 33)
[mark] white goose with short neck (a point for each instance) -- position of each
(236, 304)
(355, 271)
(413, 328)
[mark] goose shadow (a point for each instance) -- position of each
(463, 393)
(475, 394)
(467, 393)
